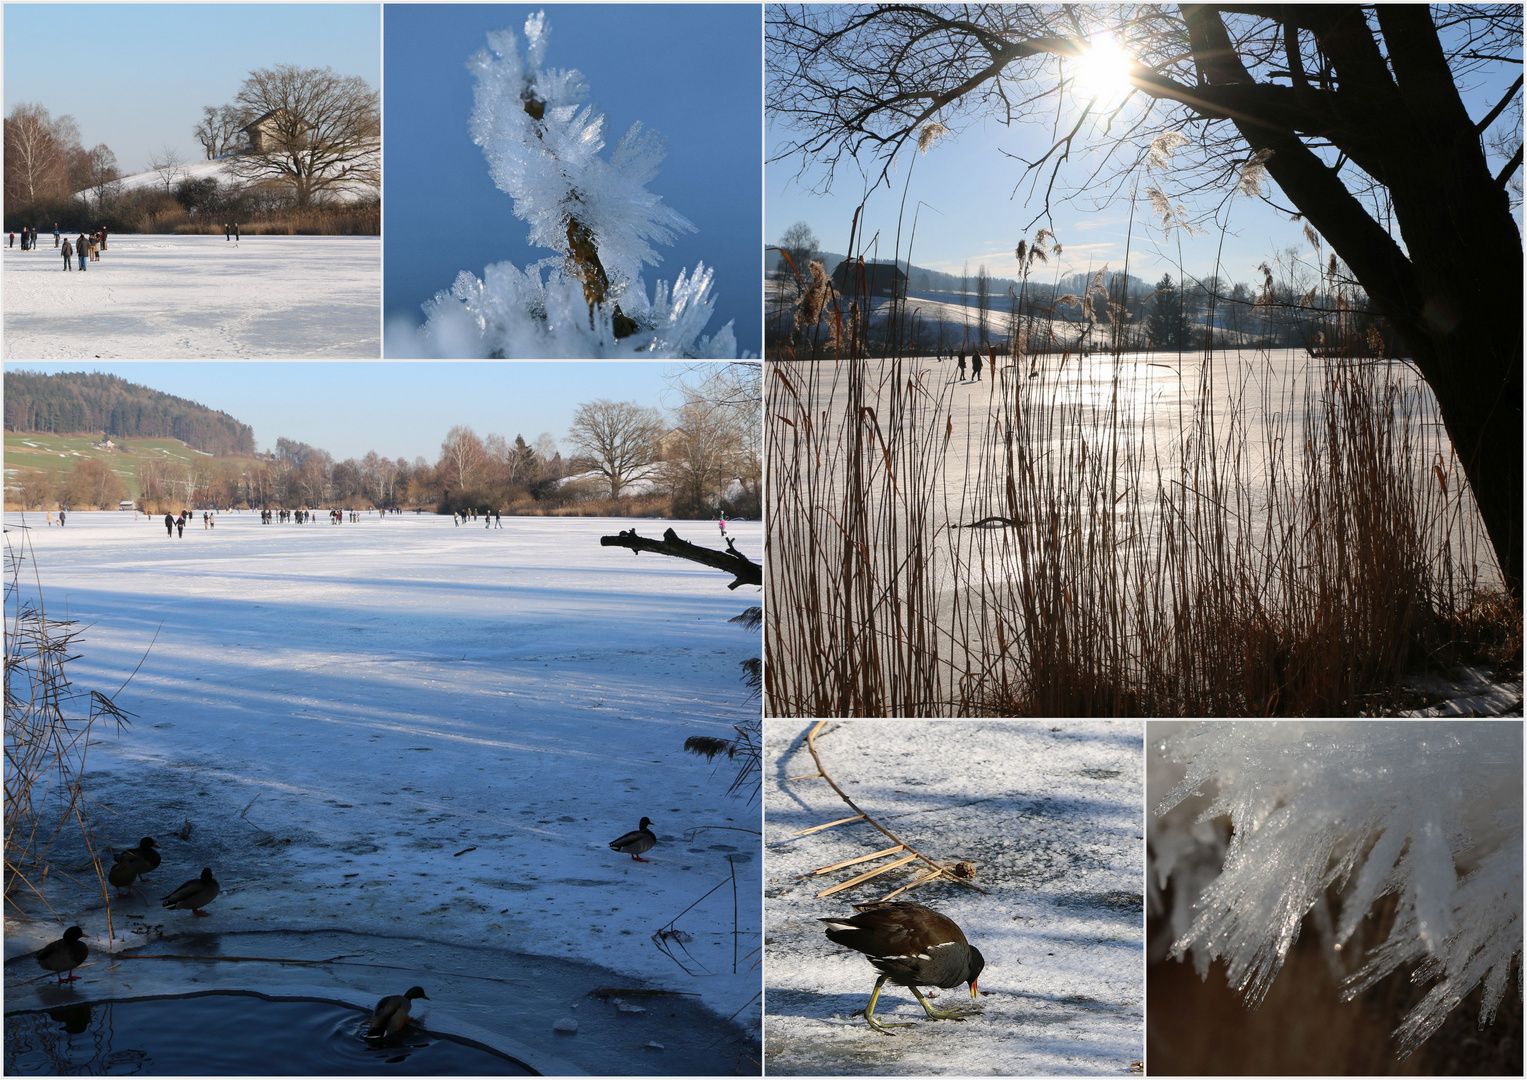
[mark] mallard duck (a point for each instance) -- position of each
(635, 842)
(194, 894)
(145, 854)
(65, 954)
(125, 871)
(391, 1013)
(912, 946)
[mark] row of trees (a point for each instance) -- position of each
(79, 401)
(702, 458)
(294, 138)
(45, 163)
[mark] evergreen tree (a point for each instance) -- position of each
(1163, 326)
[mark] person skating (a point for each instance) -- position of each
(68, 254)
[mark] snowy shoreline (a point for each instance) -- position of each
(440, 727)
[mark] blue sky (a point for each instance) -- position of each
(396, 409)
(135, 76)
(691, 72)
(972, 213)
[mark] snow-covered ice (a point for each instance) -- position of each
(183, 297)
(442, 727)
(1051, 815)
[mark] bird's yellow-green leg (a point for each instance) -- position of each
(869, 1012)
(958, 1012)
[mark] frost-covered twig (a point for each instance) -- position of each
(543, 145)
(1429, 813)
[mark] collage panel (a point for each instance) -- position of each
(1338, 898)
(192, 181)
(405, 714)
(1089, 393)
(573, 180)
(954, 897)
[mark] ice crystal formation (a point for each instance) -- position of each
(1428, 813)
(543, 149)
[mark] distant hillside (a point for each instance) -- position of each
(922, 279)
(80, 402)
(220, 169)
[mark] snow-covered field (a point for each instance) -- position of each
(220, 169)
(187, 297)
(1050, 813)
(442, 727)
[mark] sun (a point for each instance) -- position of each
(1103, 69)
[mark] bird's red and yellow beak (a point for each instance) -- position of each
(972, 988)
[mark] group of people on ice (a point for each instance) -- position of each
(87, 247)
(491, 518)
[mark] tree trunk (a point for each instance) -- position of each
(1455, 293)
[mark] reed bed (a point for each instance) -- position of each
(1219, 534)
(48, 828)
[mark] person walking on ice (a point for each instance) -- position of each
(227, 231)
(55, 234)
(68, 254)
(82, 249)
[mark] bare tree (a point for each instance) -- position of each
(35, 149)
(104, 182)
(314, 130)
(983, 307)
(169, 165)
(620, 438)
(220, 130)
(1355, 113)
(462, 454)
(800, 243)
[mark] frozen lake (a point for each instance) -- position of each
(408, 729)
(197, 297)
(1050, 814)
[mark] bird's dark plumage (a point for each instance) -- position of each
(145, 853)
(910, 945)
(391, 1013)
(65, 954)
(635, 842)
(194, 894)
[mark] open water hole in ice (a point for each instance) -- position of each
(232, 1034)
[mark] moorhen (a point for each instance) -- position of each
(65, 954)
(635, 842)
(391, 1013)
(194, 894)
(912, 946)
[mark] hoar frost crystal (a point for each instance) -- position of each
(1430, 813)
(543, 144)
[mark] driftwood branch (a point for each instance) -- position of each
(745, 570)
(936, 869)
